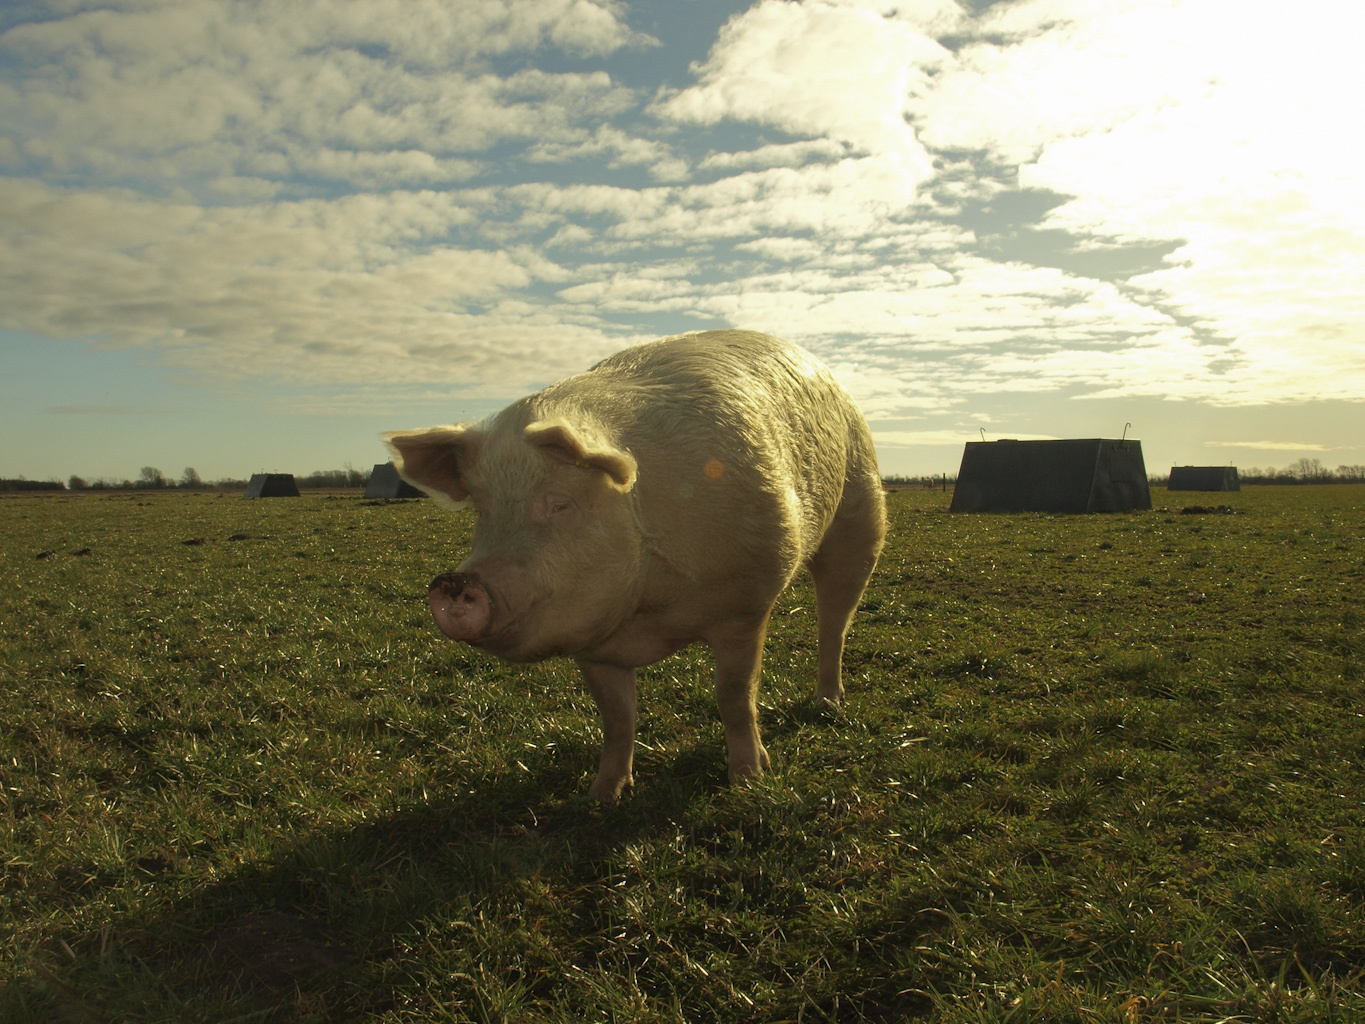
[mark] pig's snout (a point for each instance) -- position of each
(460, 606)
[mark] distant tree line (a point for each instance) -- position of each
(333, 478)
(20, 484)
(1303, 471)
(940, 481)
(152, 479)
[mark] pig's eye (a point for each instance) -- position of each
(557, 506)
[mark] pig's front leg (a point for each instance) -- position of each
(739, 661)
(613, 689)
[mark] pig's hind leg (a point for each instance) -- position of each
(840, 569)
(613, 688)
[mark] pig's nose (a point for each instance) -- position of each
(460, 606)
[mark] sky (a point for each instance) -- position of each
(241, 236)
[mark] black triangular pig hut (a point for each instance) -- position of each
(386, 483)
(1090, 475)
(271, 485)
(1204, 478)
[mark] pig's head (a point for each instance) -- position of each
(555, 559)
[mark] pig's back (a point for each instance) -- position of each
(736, 431)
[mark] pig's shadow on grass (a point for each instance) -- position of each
(316, 925)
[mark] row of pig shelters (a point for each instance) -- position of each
(1077, 476)
(384, 482)
(1204, 478)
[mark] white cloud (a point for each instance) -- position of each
(1270, 446)
(1163, 121)
(789, 154)
(853, 198)
(918, 438)
(377, 286)
(838, 71)
(908, 333)
(1068, 68)
(832, 217)
(1178, 121)
(613, 148)
(374, 286)
(376, 93)
(591, 29)
(427, 33)
(350, 289)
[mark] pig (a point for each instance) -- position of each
(666, 496)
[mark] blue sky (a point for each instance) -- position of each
(247, 237)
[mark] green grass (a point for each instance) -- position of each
(1090, 769)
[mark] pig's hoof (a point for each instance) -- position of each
(608, 791)
(749, 768)
(831, 695)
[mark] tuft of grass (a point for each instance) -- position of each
(1098, 769)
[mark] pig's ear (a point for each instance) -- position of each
(436, 459)
(559, 439)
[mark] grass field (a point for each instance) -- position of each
(1091, 769)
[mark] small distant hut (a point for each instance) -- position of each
(1083, 475)
(1204, 478)
(386, 483)
(271, 485)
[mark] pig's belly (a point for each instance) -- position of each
(640, 642)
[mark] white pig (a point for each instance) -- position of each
(664, 497)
